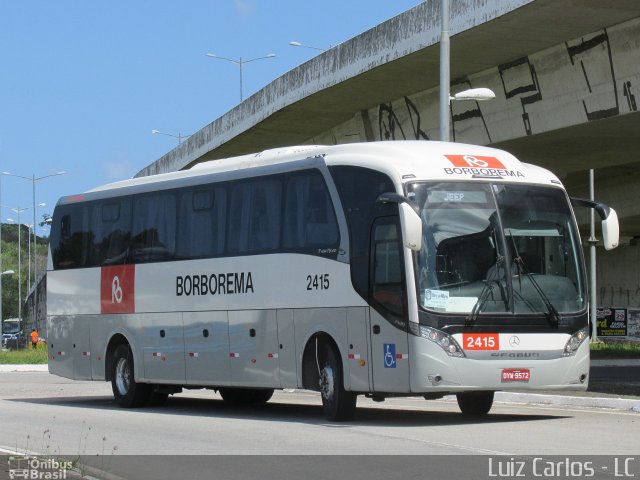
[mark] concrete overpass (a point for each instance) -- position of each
(566, 74)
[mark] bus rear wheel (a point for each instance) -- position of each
(475, 403)
(127, 392)
(337, 403)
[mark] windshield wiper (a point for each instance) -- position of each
(487, 290)
(553, 316)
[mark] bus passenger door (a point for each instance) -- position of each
(388, 308)
(206, 339)
(253, 348)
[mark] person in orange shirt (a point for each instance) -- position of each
(34, 338)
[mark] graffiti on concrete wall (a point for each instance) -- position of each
(583, 80)
(390, 127)
(593, 57)
(519, 80)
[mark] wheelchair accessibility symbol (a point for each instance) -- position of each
(389, 355)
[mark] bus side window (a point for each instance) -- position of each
(201, 223)
(255, 216)
(69, 238)
(309, 216)
(111, 226)
(154, 226)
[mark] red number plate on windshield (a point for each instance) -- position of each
(516, 375)
(481, 341)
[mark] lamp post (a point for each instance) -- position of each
(240, 62)
(476, 94)
(304, 45)
(3, 173)
(6, 272)
(33, 179)
(180, 137)
(18, 211)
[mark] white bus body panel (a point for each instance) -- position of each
(206, 338)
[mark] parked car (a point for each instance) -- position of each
(13, 341)
(12, 335)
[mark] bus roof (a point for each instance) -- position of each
(403, 161)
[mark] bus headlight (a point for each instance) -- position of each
(571, 347)
(445, 341)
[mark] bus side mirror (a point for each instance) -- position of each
(411, 225)
(609, 217)
(611, 230)
(410, 221)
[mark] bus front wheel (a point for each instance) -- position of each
(337, 403)
(127, 392)
(475, 403)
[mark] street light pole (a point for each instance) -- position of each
(6, 272)
(444, 70)
(33, 179)
(304, 45)
(18, 211)
(477, 94)
(1, 249)
(179, 136)
(240, 62)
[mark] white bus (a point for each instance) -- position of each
(378, 269)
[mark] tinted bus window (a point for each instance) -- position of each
(255, 216)
(309, 220)
(110, 225)
(70, 237)
(153, 232)
(201, 223)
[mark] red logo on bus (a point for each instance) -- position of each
(117, 289)
(475, 161)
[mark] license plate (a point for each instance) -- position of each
(516, 375)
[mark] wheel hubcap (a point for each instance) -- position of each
(326, 382)
(123, 376)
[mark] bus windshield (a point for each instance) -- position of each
(497, 248)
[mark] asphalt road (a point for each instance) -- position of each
(615, 379)
(45, 414)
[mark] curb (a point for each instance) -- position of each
(627, 404)
(24, 368)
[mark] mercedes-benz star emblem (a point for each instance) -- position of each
(514, 341)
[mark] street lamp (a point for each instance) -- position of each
(180, 137)
(300, 44)
(477, 94)
(240, 62)
(6, 272)
(1, 174)
(33, 179)
(18, 211)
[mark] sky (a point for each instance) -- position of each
(84, 82)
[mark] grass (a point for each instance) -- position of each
(615, 349)
(27, 355)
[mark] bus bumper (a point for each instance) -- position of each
(433, 370)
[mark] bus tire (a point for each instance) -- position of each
(475, 403)
(337, 403)
(127, 392)
(246, 395)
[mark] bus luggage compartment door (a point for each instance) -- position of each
(253, 348)
(163, 340)
(206, 338)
